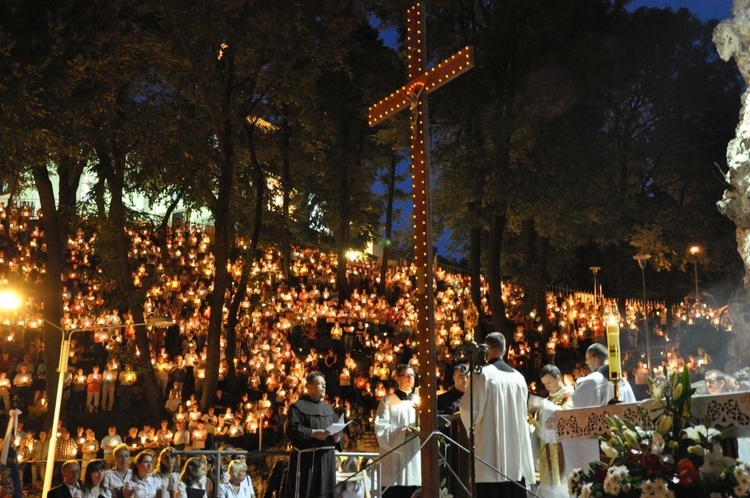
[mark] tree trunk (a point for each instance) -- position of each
(224, 133)
(475, 267)
(56, 223)
(343, 230)
(161, 230)
(251, 255)
(286, 187)
(113, 167)
(51, 287)
(499, 320)
(390, 198)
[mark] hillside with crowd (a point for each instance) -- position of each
(287, 328)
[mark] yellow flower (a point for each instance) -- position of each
(695, 449)
(665, 424)
(609, 450)
(631, 437)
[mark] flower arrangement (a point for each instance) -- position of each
(678, 458)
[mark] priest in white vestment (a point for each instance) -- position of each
(595, 389)
(397, 431)
(504, 459)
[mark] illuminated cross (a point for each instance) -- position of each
(414, 96)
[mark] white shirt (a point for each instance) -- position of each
(114, 480)
(226, 490)
(149, 487)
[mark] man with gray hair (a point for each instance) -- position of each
(505, 463)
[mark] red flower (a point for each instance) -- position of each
(689, 477)
(685, 464)
(687, 473)
(653, 463)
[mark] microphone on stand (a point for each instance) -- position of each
(480, 357)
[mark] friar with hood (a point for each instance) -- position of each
(311, 474)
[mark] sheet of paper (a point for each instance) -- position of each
(337, 426)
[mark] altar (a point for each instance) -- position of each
(722, 411)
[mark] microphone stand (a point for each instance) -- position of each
(475, 368)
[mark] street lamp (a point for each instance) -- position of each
(595, 270)
(642, 260)
(694, 251)
(61, 369)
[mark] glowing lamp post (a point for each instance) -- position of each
(642, 259)
(61, 369)
(694, 251)
(595, 270)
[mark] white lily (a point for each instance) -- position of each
(701, 433)
(715, 462)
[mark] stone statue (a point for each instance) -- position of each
(732, 40)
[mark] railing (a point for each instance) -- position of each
(370, 474)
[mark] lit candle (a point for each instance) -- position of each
(613, 344)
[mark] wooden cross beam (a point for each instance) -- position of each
(413, 95)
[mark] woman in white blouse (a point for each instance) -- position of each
(92, 482)
(192, 482)
(239, 485)
(165, 474)
(141, 483)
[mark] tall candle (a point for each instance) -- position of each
(613, 345)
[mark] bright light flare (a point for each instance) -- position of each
(9, 300)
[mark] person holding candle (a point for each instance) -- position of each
(498, 394)
(164, 435)
(109, 378)
(134, 442)
(127, 378)
(93, 390)
(109, 443)
(181, 437)
(397, 432)
(141, 483)
(312, 473)
(89, 449)
(66, 448)
(22, 383)
(199, 436)
(93, 486)
(5, 390)
(78, 392)
(24, 453)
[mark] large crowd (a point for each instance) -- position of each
(287, 328)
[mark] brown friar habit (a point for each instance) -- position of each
(312, 472)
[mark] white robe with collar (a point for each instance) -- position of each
(500, 428)
(402, 466)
